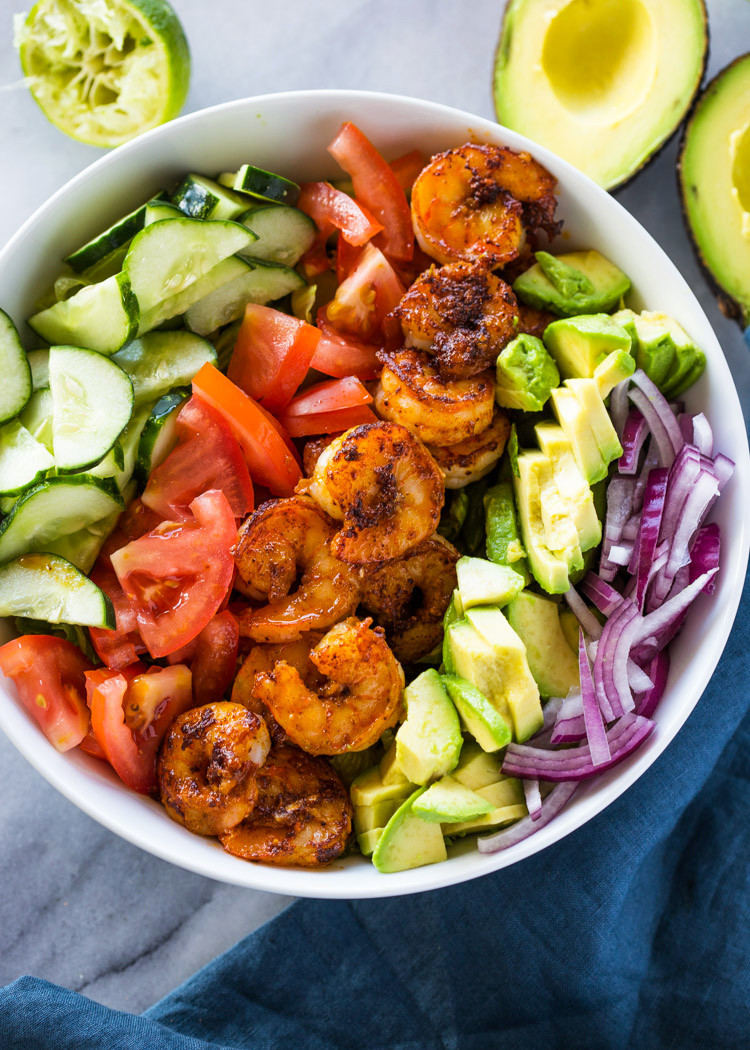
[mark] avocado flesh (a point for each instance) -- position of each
(477, 715)
(577, 428)
(482, 582)
(536, 621)
(525, 374)
(549, 570)
(428, 743)
(477, 768)
(449, 801)
(602, 84)
(579, 344)
(571, 484)
(664, 350)
(408, 841)
(575, 283)
(714, 177)
(508, 803)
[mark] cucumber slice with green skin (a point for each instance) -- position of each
(39, 365)
(92, 402)
(23, 459)
(101, 317)
(158, 209)
(109, 266)
(159, 361)
(177, 305)
(168, 256)
(159, 435)
(15, 389)
(56, 507)
(37, 416)
(263, 282)
(47, 587)
(82, 548)
(202, 198)
(284, 233)
(256, 182)
(118, 234)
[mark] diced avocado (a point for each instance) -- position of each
(482, 582)
(525, 374)
(478, 716)
(550, 571)
(453, 614)
(571, 484)
(473, 658)
(429, 742)
(518, 686)
(615, 367)
(537, 623)
(448, 801)
(569, 626)
(368, 789)
(508, 803)
(664, 350)
(368, 817)
(587, 392)
(368, 841)
(477, 768)
(579, 344)
(560, 532)
(408, 841)
(575, 283)
(504, 545)
(390, 771)
(576, 426)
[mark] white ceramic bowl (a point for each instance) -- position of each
(288, 133)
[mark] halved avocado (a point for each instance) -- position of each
(714, 178)
(603, 83)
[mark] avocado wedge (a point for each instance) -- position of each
(714, 178)
(603, 84)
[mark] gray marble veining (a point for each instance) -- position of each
(80, 906)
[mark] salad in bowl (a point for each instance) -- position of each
(353, 520)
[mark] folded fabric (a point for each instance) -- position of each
(634, 932)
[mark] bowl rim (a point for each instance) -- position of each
(297, 881)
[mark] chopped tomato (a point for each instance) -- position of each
(332, 209)
(122, 646)
(134, 521)
(130, 715)
(207, 456)
(49, 675)
(378, 189)
(316, 260)
(344, 355)
(178, 575)
(215, 662)
(331, 395)
(90, 746)
(347, 257)
(267, 449)
(366, 297)
(272, 355)
(407, 167)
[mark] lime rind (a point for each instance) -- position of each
(104, 71)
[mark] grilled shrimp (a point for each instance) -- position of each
(359, 699)
(461, 313)
(475, 457)
(409, 597)
(438, 411)
(384, 487)
(207, 765)
(302, 817)
(533, 321)
(282, 539)
(312, 450)
(478, 201)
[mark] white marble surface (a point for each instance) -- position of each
(79, 906)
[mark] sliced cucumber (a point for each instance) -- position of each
(67, 284)
(101, 317)
(256, 182)
(159, 361)
(159, 435)
(156, 210)
(39, 365)
(47, 587)
(202, 198)
(263, 282)
(108, 266)
(170, 255)
(284, 233)
(23, 459)
(37, 416)
(117, 235)
(92, 402)
(178, 304)
(82, 548)
(56, 507)
(15, 389)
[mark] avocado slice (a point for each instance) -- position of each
(508, 803)
(579, 344)
(715, 186)
(615, 367)
(368, 789)
(429, 742)
(587, 392)
(549, 570)
(478, 768)
(408, 841)
(603, 85)
(448, 801)
(571, 484)
(576, 425)
(504, 545)
(390, 771)
(366, 818)
(536, 621)
(525, 374)
(664, 350)
(369, 840)
(483, 721)
(576, 283)
(482, 582)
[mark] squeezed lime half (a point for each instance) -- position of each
(104, 71)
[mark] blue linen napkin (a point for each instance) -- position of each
(633, 932)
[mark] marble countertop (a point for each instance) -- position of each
(80, 906)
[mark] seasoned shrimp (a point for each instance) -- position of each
(383, 485)
(409, 597)
(475, 457)
(461, 313)
(438, 411)
(533, 321)
(312, 450)
(282, 539)
(302, 817)
(207, 765)
(359, 699)
(478, 201)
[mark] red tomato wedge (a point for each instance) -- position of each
(347, 257)
(272, 355)
(344, 355)
(268, 452)
(377, 188)
(316, 261)
(332, 209)
(49, 675)
(215, 662)
(329, 396)
(90, 746)
(365, 298)
(123, 646)
(134, 521)
(329, 422)
(178, 575)
(130, 714)
(207, 456)
(407, 167)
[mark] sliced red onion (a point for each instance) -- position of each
(656, 407)
(658, 671)
(621, 553)
(533, 798)
(597, 590)
(607, 692)
(570, 726)
(550, 711)
(657, 623)
(557, 799)
(583, 614)
(702, 435)
(704, 555)
(618, 407)
(596, 733)
(633, 436)
(696, 506)
(630, 531)
(651, 462)
(648, 534)
(638, 680)
(723, 468)
(619, 509)
(685, 423)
